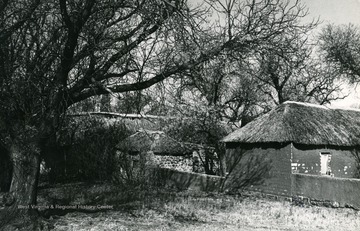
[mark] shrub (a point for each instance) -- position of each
(85, 150)
(204, 129)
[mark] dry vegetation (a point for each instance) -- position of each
(182, 211)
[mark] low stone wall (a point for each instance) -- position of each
(186, 180)
(181, 163)
(343, 191)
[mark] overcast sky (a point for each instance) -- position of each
(335, 11)
(338, 12)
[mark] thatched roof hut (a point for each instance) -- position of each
(156, 141)
(302, 123)
(294, 138)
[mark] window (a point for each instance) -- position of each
(325, 159)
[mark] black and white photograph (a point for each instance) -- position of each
(190, 115)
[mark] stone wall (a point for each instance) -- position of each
(185, 163)
(186, 180)
(180, 163)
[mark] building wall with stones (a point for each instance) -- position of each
(180, 163)
(186, 163)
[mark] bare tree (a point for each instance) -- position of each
(56, 53)
(238, 83)
(289, 71)
(224, 88)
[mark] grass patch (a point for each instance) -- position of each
(160, 209)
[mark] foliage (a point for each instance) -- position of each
(341, 49)
(127, 173)
(86, 151)
(200, 125)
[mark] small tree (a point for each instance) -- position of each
(202, 126)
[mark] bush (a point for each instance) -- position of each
(205, 129)
(85, 150)
(130, 170)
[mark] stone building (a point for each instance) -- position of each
(155, 148)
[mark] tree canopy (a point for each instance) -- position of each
(341, 49)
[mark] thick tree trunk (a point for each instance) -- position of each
(6, 170)
(19, 211)
(26, 166)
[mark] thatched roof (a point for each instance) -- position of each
(133, 122)
(156, 141)
(302, 123)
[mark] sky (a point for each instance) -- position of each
(335, 12)
(338, 12)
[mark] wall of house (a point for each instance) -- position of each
(294, 171)
(306, 160)
(265, 168)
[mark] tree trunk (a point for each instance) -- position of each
(6, 170)
(222, 163)
(26, 166)
(19, 211)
